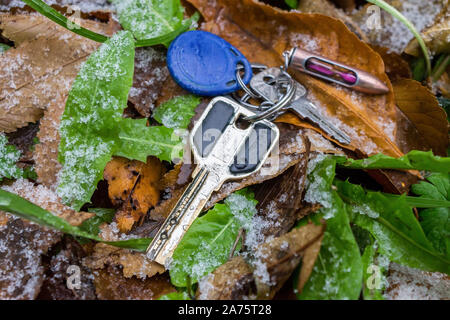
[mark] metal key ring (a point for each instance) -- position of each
(241, 83)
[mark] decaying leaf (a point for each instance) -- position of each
(150, 73)
(21, 271)
(132, 263)
(110, 284)
(385, 30)
(436, 37)
(38, 71)
(326, 8)
(396, 67)
(134, 186)
(262, 33)
(46, 151)
(276, 260)
(422, 108)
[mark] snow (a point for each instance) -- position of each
(394, 35)
(411, 284)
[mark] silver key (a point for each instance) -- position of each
(222, 152)
(267, 85)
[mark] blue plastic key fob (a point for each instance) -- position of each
(205, 64)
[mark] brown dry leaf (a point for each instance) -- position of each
(422, 108)
(443, 84)
(276, 260)
(231, 281)
(309, 259)
(21, 271)
(262, 33)
(110, 284)
(348, 5)
(45, 155)
(132, 263)
(326, 8)
(436, 37)
(39, 70)
(150, 73)
(134, 186)
(396, 67)
(281, 256)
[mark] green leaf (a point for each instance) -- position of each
(436, 221)
(177, 112)
(414, 160)
(418, 69)
(44, 9)
(392, 223)
(3, 47)
(153, 19)
(373, 274)
(337, 273)
(293, 4)
(421, 202)
(93, 112)
(101, 216)
(23, 208)
(9, 156)
(137, 141)
(207, 243)
(92, 128)
(175, 296)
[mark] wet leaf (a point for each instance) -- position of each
(9, 156)
(414, 160)
(392, 223)
(422, 108)
(436, 221)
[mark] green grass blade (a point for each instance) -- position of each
(60, 19)
(383, 5)
(421, 202)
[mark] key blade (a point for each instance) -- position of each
(306, 109)
(188, 207)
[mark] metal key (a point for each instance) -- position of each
(266, 83)
(222, 152)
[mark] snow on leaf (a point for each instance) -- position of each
(93, 111)
(177, 112)
(9, 156)
(207, 243)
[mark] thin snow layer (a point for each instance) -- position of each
(406, 283)
(82, 5)
(393, 33)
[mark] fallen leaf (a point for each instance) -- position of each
(347, 5)
(231, 281)
(422, 108)
(21, 270)
(134, 186)
(396, 67)
(39, 70)
(131, 263)
(436, 37)
(110, 284)
(45, 155)
(277, 259)
(150, 73)
(262, 33)
(326, 8)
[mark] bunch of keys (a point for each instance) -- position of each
(224, 148)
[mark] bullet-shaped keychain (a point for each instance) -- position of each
(326, 69)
